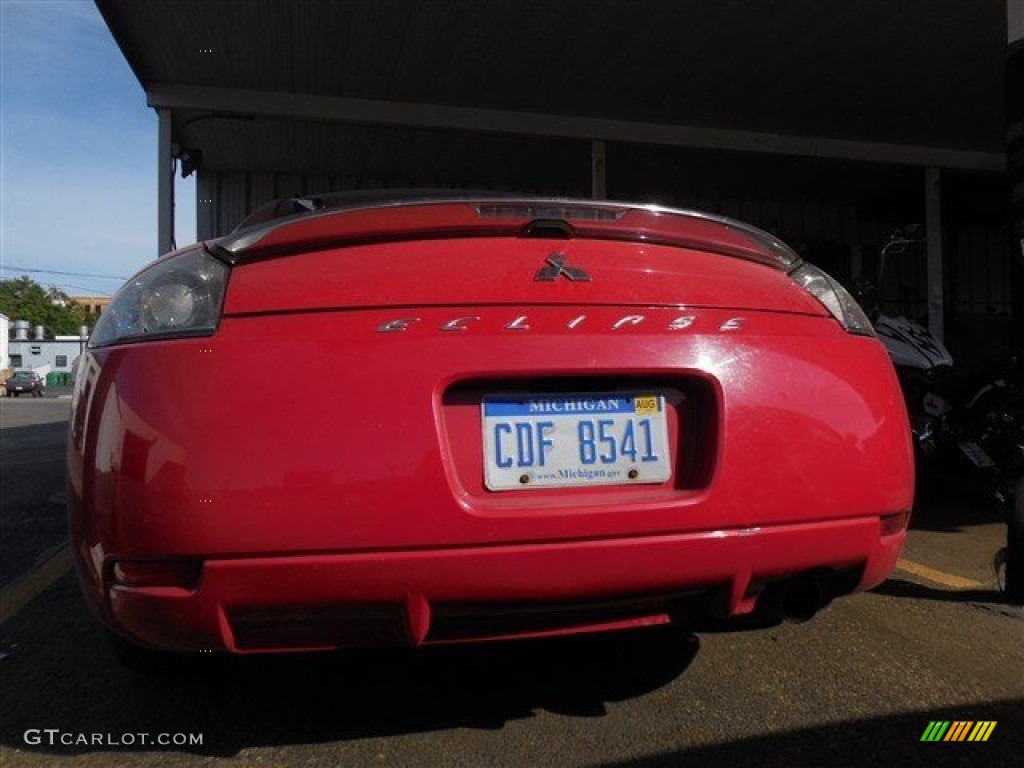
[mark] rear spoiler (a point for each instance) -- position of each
(325, 227)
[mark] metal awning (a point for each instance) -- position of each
(917, 82)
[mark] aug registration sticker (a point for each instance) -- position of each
(553, 440)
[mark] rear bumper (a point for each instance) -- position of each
(362, 517)
(327, 601)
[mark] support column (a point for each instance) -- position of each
(598, 182)
(1015, 157)
(164, 183)
(856, 260)
(206, 211)
(933, 233)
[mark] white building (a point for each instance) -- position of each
(5, 332)
(59, 354)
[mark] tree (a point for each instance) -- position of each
(22, 298)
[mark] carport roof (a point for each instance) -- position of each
(918, 81)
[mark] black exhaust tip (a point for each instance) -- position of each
(802, 599)
(796, 600)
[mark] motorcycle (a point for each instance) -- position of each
(980, 421)
(922, 362)
(989, 433)
(990, 429)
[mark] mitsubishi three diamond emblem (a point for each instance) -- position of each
(555, 266)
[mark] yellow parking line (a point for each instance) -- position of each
(939, 577)
(33, 584)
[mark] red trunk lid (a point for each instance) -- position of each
(492, 271)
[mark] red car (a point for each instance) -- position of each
(519, 417)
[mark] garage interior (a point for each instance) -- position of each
(827, 122)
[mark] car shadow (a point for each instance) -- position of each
(902, 588)
(59, 676)
(63, 676)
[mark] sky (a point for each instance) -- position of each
(77, 153)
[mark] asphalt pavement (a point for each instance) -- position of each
(860, 682)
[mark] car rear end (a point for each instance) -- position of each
(516, 418)
(21, 382)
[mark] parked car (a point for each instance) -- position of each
(522, 417)
(24, 382)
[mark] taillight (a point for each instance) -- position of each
(834, 297)
(177, 296)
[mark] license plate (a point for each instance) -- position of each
(556, 440)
